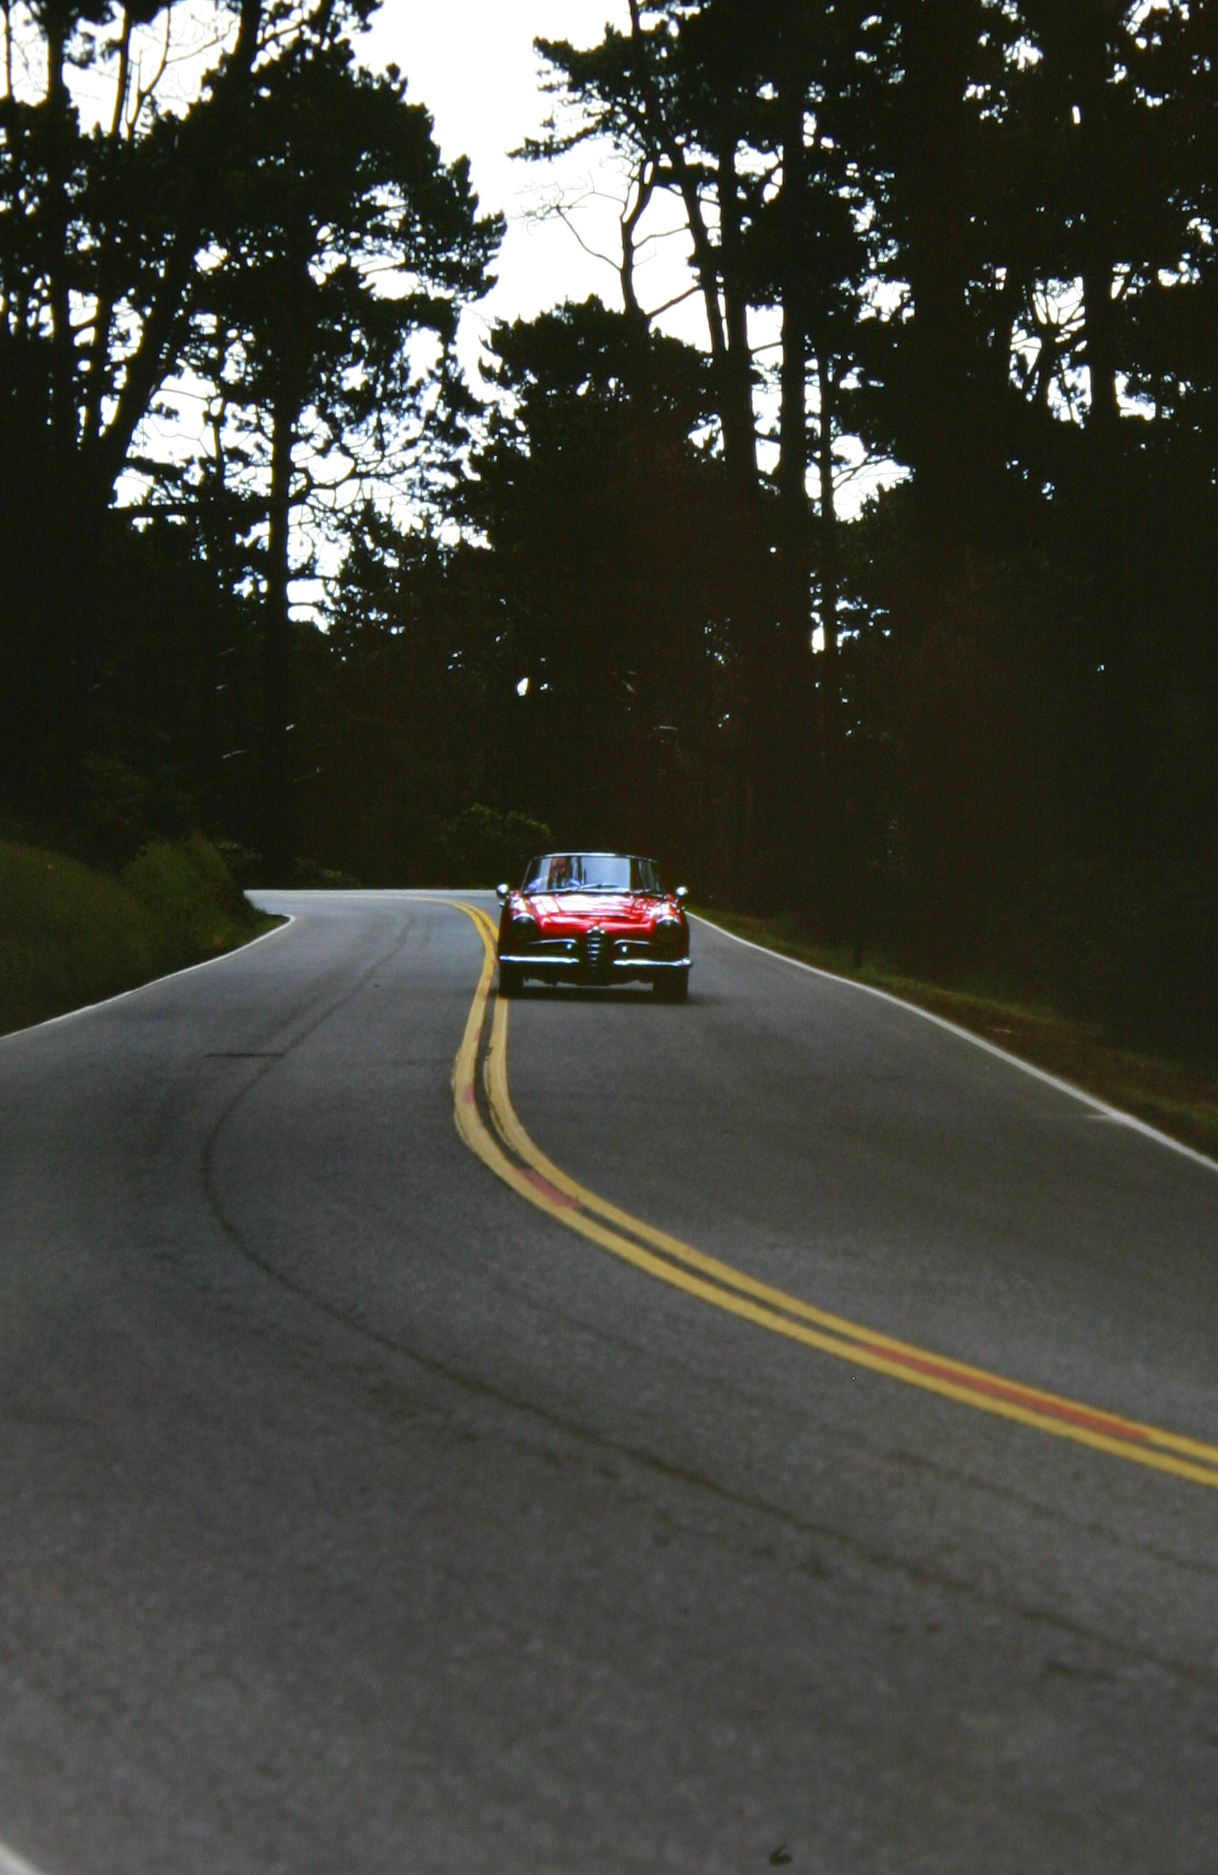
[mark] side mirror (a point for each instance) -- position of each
(503, 893)
(682, 892)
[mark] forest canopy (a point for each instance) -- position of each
(622, 590)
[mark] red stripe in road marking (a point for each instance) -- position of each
(1018, 1396)
(937, 1369)
(549, 1192)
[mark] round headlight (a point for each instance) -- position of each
(524, 925)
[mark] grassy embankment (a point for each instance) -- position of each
(70, 935)
(1180, 1100)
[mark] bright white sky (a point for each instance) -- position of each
(471, 62)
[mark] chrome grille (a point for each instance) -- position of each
(596, 950)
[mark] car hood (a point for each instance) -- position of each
(589, 908)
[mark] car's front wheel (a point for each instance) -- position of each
(511, 979)
(672, 987)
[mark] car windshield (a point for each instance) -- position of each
(591, 872)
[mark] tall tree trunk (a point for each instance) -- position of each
(932, 182)
(830, 539)
(835, 861)
(794, 725)
(1082, 41)
(720, 278)
(1120, 767)
(706, 260)
(59, 136)
(736, 396)
(996, 405)
(276, 815)
(61, 660)
(751, 606)
(1099, 317)
(643, 186)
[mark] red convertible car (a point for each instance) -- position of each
(594, 918)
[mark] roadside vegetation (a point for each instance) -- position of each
(1180, 1098)
(71, 934)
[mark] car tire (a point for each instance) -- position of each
(511, 979)
(672, 987)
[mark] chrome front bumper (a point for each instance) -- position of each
(577, 964)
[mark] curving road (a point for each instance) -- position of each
(359, 1515)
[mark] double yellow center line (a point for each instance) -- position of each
(507, 1149)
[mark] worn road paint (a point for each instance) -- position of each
(520, 1163)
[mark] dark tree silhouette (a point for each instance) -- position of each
(343, 236)
(100, 237)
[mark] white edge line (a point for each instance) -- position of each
(108, 1002)
(1103, 1109)
(13, 1864)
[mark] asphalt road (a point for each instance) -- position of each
(356, 1515)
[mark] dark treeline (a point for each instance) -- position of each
(971, 722)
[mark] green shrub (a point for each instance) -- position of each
(70, 935)
(481, 847)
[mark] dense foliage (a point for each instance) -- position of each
(269, 254)
(987, 227)
(981, 236)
